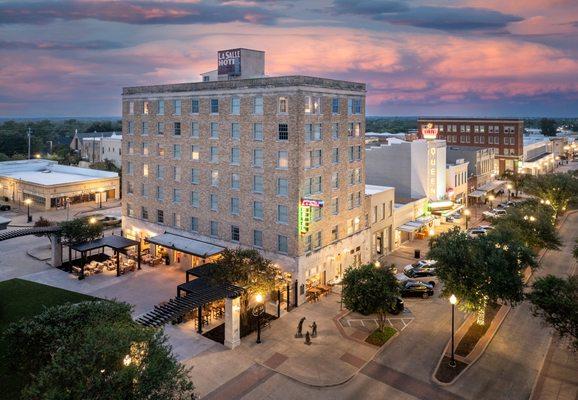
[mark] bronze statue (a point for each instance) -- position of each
(313, 329)
(307, 339)
(299, 333)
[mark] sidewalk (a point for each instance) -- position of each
(19, 216)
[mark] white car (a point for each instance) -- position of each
(420, 263)
(495, 213)
(476, 232)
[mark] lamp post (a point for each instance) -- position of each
(100, 192)
(453, 301)
(258, 312)
(467, 213)
(27, 202)
(491, 198)
(509, 191)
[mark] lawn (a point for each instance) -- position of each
(379, 337)
(24, 299)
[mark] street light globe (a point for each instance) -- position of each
(259, 297)
(548, 202)
(491, 197)
(532, 218)
(377, 264)
(453, 299)
(467, 212)
(27, 201)
(92, 220)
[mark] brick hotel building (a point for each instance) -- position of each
(241, 159)
(502, 134)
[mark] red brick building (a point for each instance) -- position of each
(505, 135)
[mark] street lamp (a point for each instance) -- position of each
(509, 190)
(92, 220)
(258, 311)
(491, 198)
(100, 192)
(453, 301)
(467, 213)
(27, 202)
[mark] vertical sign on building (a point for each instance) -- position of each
(432, 173)
(229, 62)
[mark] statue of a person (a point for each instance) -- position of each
(299, 333)
(314, 329)
(307, 339)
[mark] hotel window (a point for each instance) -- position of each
(160, 217)
(129, 168)
(506, 141)
(234, 233)
(215, 178)
(195, 176)
(235, 106)
(235, 130)
(131, 107)
(177, 129)
(476, 139)
(194, 129)
(490, 140)
(282, 244)
(335, 105)
(335, 233)
(194, 106)
(195, 199)
(313, 159)
(512, 141)
(335, 180)
(177, 107)
(234, 206)
(350, 200)
(335, 155)
(129, 210)
(235, 156)
(335, 206)
(313, 185)
(482, 129)
(144, 190)
(283, 159)
(335, 131)
(160, 128)
(317, 240)
(214, 106)
(308, 243)
(351, 153)
(235, 181)
(130, 147)
(258, 158)
(258, 105)
(214, 130)
(312, 105)
(257, 210)
(257, 238)
(354, 106)
(282, 187)
(351, 177)
(177, 173)
(177, 151)
(283, 106)
(482, 140)
(194, 152)
(283, 132)
(160, 150)
(130, 188)
(214, 228)
(160, 173)
(194, 224)
(258, 183)
(282, 214)
(258, 132)
(144, 213)
(350, 129)
(176, 195)
(145, 149)
(160, 193)
(130, 127)
(357, 129)
(358, 199)
(145, 128)
(214, 154)
(161, 106)
(214, 201)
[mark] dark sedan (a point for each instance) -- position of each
(416, 289)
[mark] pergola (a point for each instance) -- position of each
(118, 243)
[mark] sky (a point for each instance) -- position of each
(417, 57)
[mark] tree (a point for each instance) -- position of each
(555, 300)
(548, 126)
(94, 350)
(481, 271)
(516, 179)
(79, 230)
(4, 157)
(556, 190)
(106, 165)
(370, 290)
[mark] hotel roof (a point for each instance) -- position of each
(49, 173)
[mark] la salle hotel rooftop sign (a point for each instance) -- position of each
(229, 62)
(429, 132)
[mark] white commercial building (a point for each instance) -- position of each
(538, 156)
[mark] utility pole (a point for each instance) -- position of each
(29, 133)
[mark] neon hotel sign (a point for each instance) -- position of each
(429, 132)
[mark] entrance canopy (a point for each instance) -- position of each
(413, 226)
(186, 245)
(488, 187)
(115, 242)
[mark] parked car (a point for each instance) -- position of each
(455, 217)
(5, 207)
(425, 274)
(506, 204)
(397, 307)
(486, 227)
(495, 213)
(476, 232)
(420, 263)
(414, 288)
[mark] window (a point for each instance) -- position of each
(176, 195)
(283, 106)
(130, 147)
(258, 158)
(335, 155)
(160, 217)
(335, 131)
(214, 154)
(214, 130)
(144, 213)
(144, 190)
(235, 130)
(282, 244)
(160, 194)
(317, 240)
(257, 238)
(214, 228)
(145, 128)
(350, 201)
(195, 176)
(258, 183)
(177, 129)
(257, 210)
(308, 244)
(312, 105)
(129, 168)
(235, 181)
(177, 151)
(234, 233)
(282, 187)
(195, 199)
(335, 180)
(161, 106)
(357, 129)
(194, 106)
(282, 214)
(215, 178)
(258, 132)
(214, 106)
(177, 107)
(335, 233)
(145, 149)
(214, 202)
(160, 128)
(194, 129)
(177, 173)
(234, 206)
(131, 107)
(130, 187)
(335, 206)
(313, 159)
(194, 152)
(194, 224)
(313, 185)
(351, 153)
(317, 213)
(350, 129)
(335, 105)
(130, 127)
(160, 172)
(283, 159)
(354, 106)
(258, 105)
(235, 106)
(312, 132)
(283, 132)
(235, 155)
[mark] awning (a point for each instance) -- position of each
(115, 242)
(407, 228)
(413, 226)
(186, 245)
(477, 193)
(488, 187)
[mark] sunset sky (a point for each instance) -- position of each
(418, 57)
